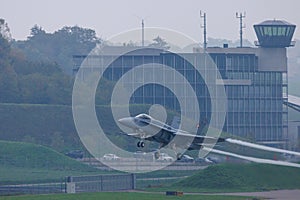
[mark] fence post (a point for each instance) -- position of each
(133, 181)
(70, 186)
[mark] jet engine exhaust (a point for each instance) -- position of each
(261, 147)
(257, 160)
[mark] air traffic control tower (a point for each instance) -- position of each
(274, 34)
(273, 38)
(256, 84)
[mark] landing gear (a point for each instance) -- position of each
(141, 144)
(179, 156)
(156, 155)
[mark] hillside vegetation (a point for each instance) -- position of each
(27, 155)
(29, 163)
(53, 125)
(243, 177)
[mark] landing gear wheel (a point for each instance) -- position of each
(179, 156)
(156, 155)
(141, 144)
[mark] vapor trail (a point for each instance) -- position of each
(257, 160)
(262, 147)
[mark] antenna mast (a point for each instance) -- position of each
(241, 16)
(143, 41)
(204, 30)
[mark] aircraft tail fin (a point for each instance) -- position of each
(176, 122)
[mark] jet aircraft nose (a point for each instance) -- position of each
(126, 121)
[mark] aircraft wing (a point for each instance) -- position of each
(168, 133)
(199, 139)
(133, 134)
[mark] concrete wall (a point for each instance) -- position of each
(99, 183)
(272, 59)
(269, 59)
(294, 134)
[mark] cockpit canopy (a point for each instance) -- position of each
(143, 116)
(274, 33)
(142, 119)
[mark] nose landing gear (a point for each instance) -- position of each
(179, 156)
(141, 144)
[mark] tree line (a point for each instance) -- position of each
(37, 70)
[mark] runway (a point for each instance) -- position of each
(276, 194)
(143, 165)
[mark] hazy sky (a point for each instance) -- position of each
(112, 17)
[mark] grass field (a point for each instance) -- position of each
(28, 155)
(232, 178)
(243, 177)
(29, 163)
(14, 175)
(120, 196)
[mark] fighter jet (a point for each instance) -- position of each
(147, 128)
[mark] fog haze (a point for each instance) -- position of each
(112, 17)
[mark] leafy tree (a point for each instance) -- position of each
(4, 30)
(8, 77)
(159, 43)
(23, 81)
(40, 80)
(9, 91)
(78, 34)
(33, 89)
(4, 48)
(59, 89)
(215, 42)
(25, 67)
(36, 31)
(59, 46)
